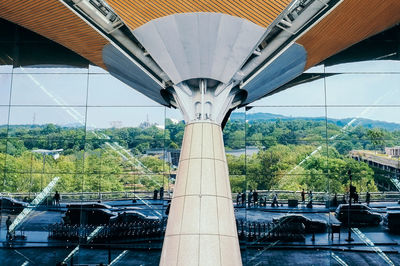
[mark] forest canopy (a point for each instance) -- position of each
(114, 159)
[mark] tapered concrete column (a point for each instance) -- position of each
(201, 227)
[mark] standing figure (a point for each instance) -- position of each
(244, 198)
(335, 202)
(353, 191)
(57, 198)
(238, 197)
(303, 196)
(355, 196)
(249, 198)
(368, 198)
(255, 198)
(161, 193)
(8, 224)
(155, 194)
(310, 200)
(275, 201)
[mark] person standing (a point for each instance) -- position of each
(355, 197)
(255, 198)
(262, 201)
(244, 198)
(368, 198)
(161, 193)
(8, 224)
(155, 194)
(249, 198)
(238, 197)
(57, 198)
(335, 201)
(310, 202)
(275, 201)
(303, 196)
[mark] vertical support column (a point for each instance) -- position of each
(201, 227)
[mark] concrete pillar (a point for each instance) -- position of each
(201, 227)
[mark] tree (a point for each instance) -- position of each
(376, 137)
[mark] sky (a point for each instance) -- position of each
(60, 95)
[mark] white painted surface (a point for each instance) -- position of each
(199, 45)
(201, 227)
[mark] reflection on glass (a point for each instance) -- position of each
(308, 94)
(376, 66)
(96, 70)
(350, 119)
(175, 126)
(105, 90)
(363, 89)
(6, 68)
(286, 125)
(50, 70)
(128, 152)
(99, 118)
(34, 156)
(5, 86)
(46, 89)
(316, 69)
(3, 121)
(47, 121)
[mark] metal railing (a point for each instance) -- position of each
(86, 196)
(283, 196)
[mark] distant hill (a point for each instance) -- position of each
(368, 123)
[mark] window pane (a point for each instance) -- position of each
(105, 90)
(49, 89)
(5, 86)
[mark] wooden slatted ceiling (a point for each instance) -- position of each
(135, 13)
(53, 20)
(349, 23)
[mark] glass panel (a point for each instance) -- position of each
(22, 156)
(286, 125)
(47, 121)
(348, 119)
(234, 141)
(67, 156)
(105, 90)
(5, 86)
(6, 54)
(284, 134)
(5, 68)
(308, 94)
(316, 69)
(376, 66)
(3, 121)
(304, 137)
(3, 149)
(46, 89)
(96, 70)
(49, 70)
(118, 122)
(175, 126)
(363, 89)
(365, 145)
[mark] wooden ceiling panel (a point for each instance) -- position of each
(135, 13)
(350, 22)
(53, 20)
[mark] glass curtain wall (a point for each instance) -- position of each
(311, 148)
(88, 165)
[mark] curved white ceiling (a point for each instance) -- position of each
(199, 45)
